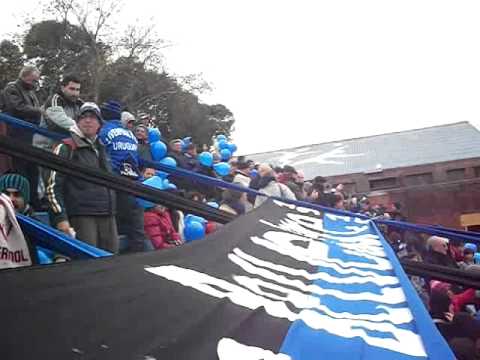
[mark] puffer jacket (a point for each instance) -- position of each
(159, 229)
(69, 196)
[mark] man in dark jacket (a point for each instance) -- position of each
(175, 151)
(144, 149)
(80, 208)
(22, 103)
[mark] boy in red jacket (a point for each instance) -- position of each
(159, 228)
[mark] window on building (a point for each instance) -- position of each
(418, 179)
(380, 184)
(477, 171)
(455, 174)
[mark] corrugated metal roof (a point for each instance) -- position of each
(387, 151)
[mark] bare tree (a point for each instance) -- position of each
(95, 18)
(142, 43)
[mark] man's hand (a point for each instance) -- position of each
(64, 226)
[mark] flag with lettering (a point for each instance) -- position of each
(280, 283)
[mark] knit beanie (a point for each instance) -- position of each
(126, 117)
(111, 110)
(17, 182)
(90, 107)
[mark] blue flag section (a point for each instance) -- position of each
(367, 309)
(283, 282)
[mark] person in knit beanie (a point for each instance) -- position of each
(127, 119)
(17, 188)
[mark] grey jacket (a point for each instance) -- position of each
(274, 188)
(60, 115)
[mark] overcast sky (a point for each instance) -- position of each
(301, 72)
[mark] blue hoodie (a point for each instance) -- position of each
(122, 148)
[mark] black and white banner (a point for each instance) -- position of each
(282, 282)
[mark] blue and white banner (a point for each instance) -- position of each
(280, 283)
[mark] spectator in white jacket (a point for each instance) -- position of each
(270, 186)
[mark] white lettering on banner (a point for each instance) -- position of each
(302, 301)
(296, 228)
(334, 217)
(361, 221)
(304, 210)
(305, 256)
(347, 219)
(403, 341)
(316, 253)
(229, 349)
(388, 295)
(380, 280)
(285, 205)
(316, 224)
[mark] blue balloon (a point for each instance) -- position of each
(253, 173)
(206, 159)
(213, 204)
(154, 135)
(222, 144)
(196, 218)
(222, 168)
(225, 154)
(43, 257)
(193, 231)
(158, 150)
(168, 161)
(221, 137)
(162, 174)
(156, 182)
(232, 147)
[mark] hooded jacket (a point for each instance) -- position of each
(122, 149)
(60, 115)
(69, 196)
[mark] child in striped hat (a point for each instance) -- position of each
(17, 188)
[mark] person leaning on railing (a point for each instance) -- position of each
(79, 208)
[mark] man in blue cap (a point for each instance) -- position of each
(122, 148)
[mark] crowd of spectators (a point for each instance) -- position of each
(112, 139)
